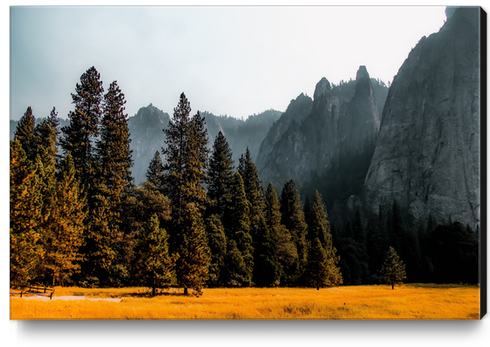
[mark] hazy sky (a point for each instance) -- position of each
(227, 60)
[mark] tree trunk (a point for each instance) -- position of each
(185, 291)
(153, 291)
(393, 286)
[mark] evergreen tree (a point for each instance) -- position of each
(193, 254)
(66, 224)
(155, 173)
(220, 173)
(47, 133)
(317, 271)
(216, 238)
(154, 263)
(26, 250)
(236, 273)
(186, 156)
(113, 145)
(267, 270)
(78, 138)
(24, 133)
(294, 220)
(318, 224)
(238, 229)
(112, 176)
(393, 268)
(285, 247)
(320, 228)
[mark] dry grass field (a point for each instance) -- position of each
(414, 301)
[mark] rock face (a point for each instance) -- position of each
(310, 133)
(427, 154)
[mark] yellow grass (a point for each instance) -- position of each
(350, 302)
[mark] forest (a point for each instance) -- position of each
(200, 220)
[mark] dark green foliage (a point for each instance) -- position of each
(317, 271)
(186, 156)
(220, 174)
(113, 144)
(393, 268)
(47, 133)
(294, 220)
(267, 270)
(237, 228)
(285, 247)
(236, 273)
(154, 264)
(216, 238)
(155, 174)
(453, 252)
(24, 133)
(78, 138)
(193, 254)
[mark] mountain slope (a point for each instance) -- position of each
(427, 154)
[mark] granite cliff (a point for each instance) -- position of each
(427, 154)
(311, 133)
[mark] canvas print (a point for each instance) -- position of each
(247, 163)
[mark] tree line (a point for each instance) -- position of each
(76, 218)
(200, 219)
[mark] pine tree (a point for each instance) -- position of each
(320, 227)
(78, 138)
(24, 133)
(66, 224)
(154, 264)
(317, 270)
(112, 174)
(113, 145)
(267, 270)
(186, 157)
(216, 238)
(393, 268)
(193, 253)
(285, 247)
(220, 174)
(26, 251)
(238, 229)
(236, 273)
(47, 133)
(155, 173)
(294, 220)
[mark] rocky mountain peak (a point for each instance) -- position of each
(362, 72)
(322, 92)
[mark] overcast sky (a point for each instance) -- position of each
(227, 60)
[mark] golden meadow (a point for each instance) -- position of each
(409, 301)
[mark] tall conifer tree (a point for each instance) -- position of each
(26, 250)
(154, 264)
(220, 174)
(285, 247)
(66, 225)
(78, 138)
(155, 173)
(24, 133)
(294, 220)
(238, 229)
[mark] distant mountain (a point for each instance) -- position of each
(311, 134)
(427, 155)
(146, 129)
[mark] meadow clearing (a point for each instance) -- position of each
(408, 301)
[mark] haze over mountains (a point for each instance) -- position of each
(362, 145)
